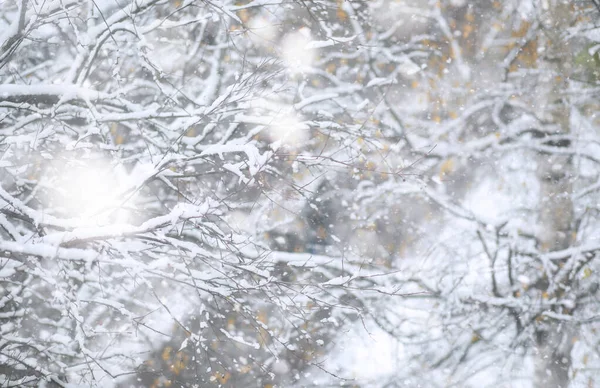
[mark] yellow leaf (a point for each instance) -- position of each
(231, 322)
(222, 378)
(244, 15)
(587, 272)
(467, 29)
(341, 14)
(447, 167)
(191, 132)
(262, 317)
(180, 361)
(322, 233)
(522, 30)
(166, 354)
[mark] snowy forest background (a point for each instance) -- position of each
(278, 193)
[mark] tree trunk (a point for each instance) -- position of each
(554, 339)
(553, 356)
